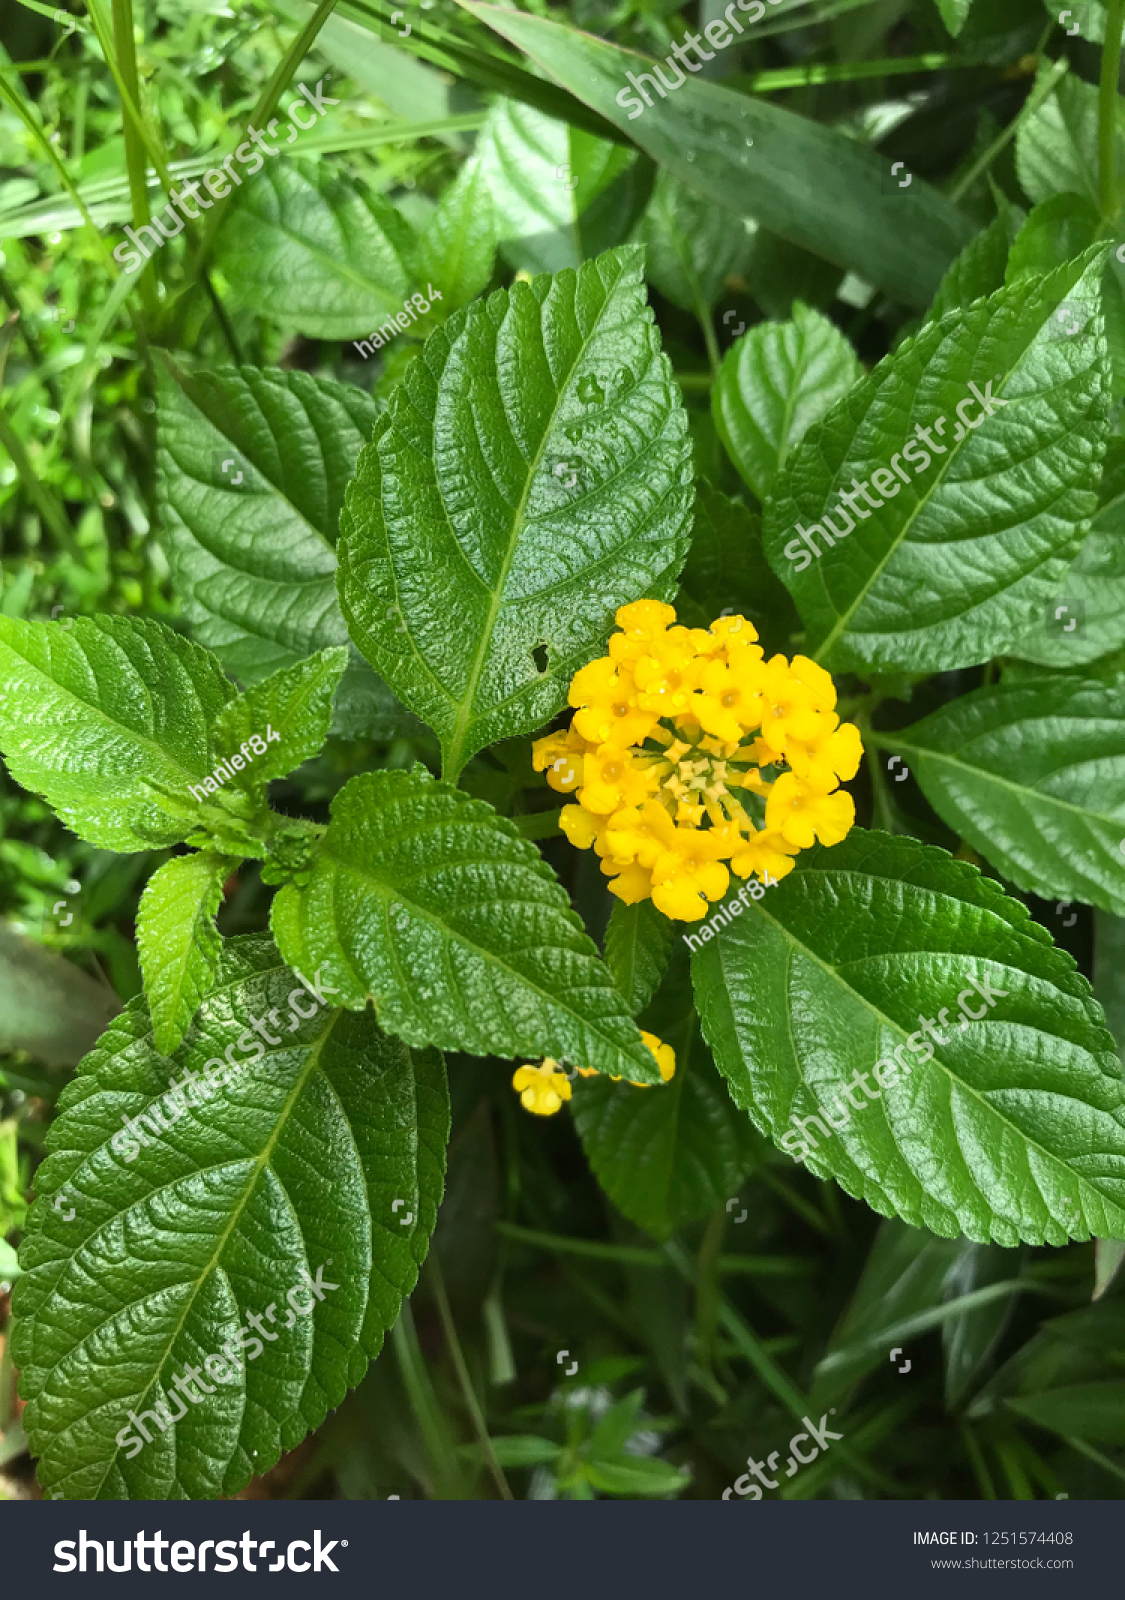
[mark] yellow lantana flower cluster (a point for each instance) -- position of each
(543, 1089)
(671, 731)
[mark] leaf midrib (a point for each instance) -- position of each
(454, 761)
(452, 937)
(1055, 1161)
(256, 1171)
(98, 714)
(953, 453)
(923, 752)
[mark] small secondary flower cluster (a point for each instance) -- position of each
(228, 769)
(224, 1368)
(543, 1089)
(399, 322)
(193, 1090)
(672, 730)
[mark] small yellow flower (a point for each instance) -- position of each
(542, 1089)
(606, 697)
(767, 852)
(665, 1056)
(642, 625)
(686, 877)
(803, 812)
(611, 781)
(640, 833)
(560, 756)
(665, 1059)
(631, 883)
(729, 699)
(789, 707)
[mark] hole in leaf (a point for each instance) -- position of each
(539, 656)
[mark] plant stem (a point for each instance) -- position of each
(124, 51)
(1034, 100)
(707, 1289)
(1107, 110)
(49, 508)
(539, 824)
(472, 1404)
(424, 1403)
(842, 72)
(978, 1463)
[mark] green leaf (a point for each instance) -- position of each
(532, 475)
(524, 1450)
(177, 940)
(638, 943)
(1088, 14)
(668, 1155)
(1084, 618)
(100, 716)
(727, 571)
(955, 14)
(254, 559)
(559, 194)
(428, 903)
(308, 247)
(813, 185)
(1093, 1411)
(1032, 774)
(1109, 973)
(903, 1279)
(288, 714)
(636, 1477)
(691, 246)
(773, 385)
(458, 248)
(1056, 231)
(1057, 146)
(942, 571)
(1012, 1128)
(292, 1164)
(977, 271)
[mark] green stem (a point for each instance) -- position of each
(707, 1289)
(771, 1375)
(265, 108)
(472, 1404)
(539, 824)
(416, 1381)
(843, 72)
(1091, 1454)
(124, 52)
(1030, 106)
(49, 508)
(1018, 1481)
(978, 1463)
(1107, 110)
